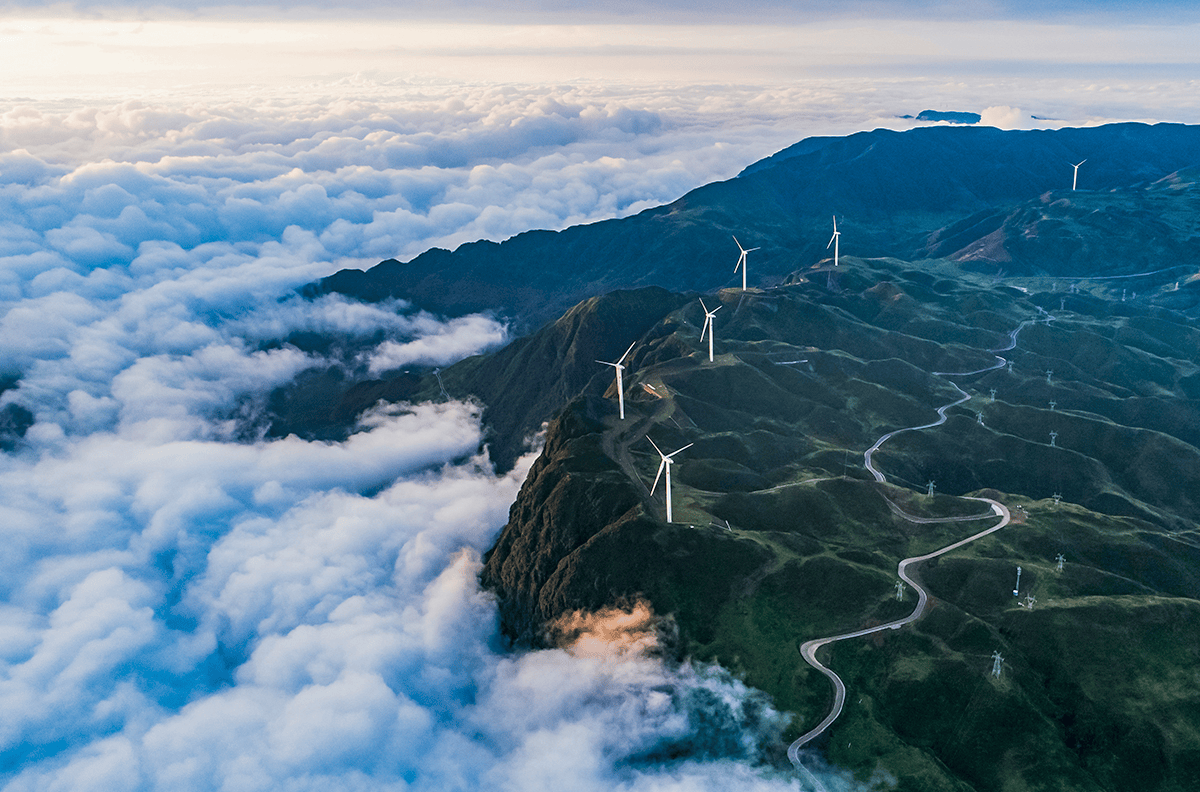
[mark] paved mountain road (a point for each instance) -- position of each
(809, 649)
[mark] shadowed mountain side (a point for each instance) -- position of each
(525, 384)
(1067, 234)
(520, 386)
(890, 191)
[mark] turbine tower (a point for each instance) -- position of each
(708, 325)
(665, 465)
(742, 260)
(1017, 587)
(1075, 178)
(833, 240)
(620, 384)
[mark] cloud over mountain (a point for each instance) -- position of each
(188, 606)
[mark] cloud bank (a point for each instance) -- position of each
(188, 606)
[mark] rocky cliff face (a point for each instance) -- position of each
(579, 539)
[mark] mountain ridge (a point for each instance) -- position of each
(890, 190)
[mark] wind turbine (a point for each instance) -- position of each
(833, 240)
(665, 465)
(708, 326)
(620, 385)
(1075, 178)
(742, 260)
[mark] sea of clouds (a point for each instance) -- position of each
(184, 606)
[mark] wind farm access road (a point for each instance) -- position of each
(809, 649)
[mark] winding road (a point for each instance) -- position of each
(809, 649)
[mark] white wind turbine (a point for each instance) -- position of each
(665, 465)
(1075, 178)
(833, 240)
(620, 385)
(708, 326)
(742, 260)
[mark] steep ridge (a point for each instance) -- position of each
(890, 190)
(780, 536)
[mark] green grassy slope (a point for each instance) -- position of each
(1099, 684)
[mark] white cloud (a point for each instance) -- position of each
(187, 611)
(439, 345)
(1005, 118)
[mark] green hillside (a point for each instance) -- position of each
(812, 543)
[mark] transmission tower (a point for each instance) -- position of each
(899, 589)
(1060, 559)
(997, 662)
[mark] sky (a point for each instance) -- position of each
(186, 604)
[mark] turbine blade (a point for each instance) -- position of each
(661, 465)
(707, 325)
(831, 241)
(739, 244)
(606, 363)
(751, 250)
(627, 351)
(835, 223)
(714, 310)
(702, 305)
(676, 451)
(656, 448)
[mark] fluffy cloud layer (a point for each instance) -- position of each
(187, 607)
